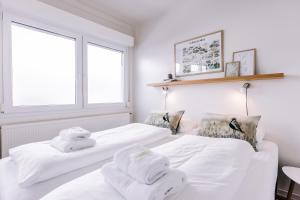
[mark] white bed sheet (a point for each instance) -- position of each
(260, 182)
(215, 169)
(10, 189)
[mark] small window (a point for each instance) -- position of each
(105, 69)
(43, 67)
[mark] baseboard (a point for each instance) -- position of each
(282, 192)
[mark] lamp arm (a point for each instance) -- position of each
(246, 86)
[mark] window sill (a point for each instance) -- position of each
(14, 118)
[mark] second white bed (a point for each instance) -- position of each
(216, 168)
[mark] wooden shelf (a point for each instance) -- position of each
(219, 80)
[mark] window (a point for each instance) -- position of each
(46, 68)
(43, 67)
(105, 75)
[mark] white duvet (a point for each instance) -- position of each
(214, 167)
(39, 161)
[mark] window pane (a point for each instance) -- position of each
(43, 67)
(105, 75)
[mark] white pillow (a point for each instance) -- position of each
(260, 135)
(194, 131)
(187, 125)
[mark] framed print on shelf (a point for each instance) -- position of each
(247, 59)
(203, 54)
(232, 69)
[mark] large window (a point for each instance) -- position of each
(47, 68)
(43, 67)
(105, 75)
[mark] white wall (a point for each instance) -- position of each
(271, 26)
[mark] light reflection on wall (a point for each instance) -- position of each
(223, 101)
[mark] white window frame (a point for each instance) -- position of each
(92, 40)
(81, 98)
(8, 107)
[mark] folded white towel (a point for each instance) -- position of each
(141, 164)
(74, 133)
(170, 184)
(68, 146)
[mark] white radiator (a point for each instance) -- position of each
(18, 134)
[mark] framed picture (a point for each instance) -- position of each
(232, 69)
(199, 55)
(247, 59)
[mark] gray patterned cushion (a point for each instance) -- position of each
(230, 126)
(165, 120)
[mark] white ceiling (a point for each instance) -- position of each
(132, 11)
(119, 13)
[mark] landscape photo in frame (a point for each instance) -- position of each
(203, 54)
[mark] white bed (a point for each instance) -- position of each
(246, 175)
(11, 190)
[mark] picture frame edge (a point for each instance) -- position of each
(221, 31)
(239, 68)
(199, 73)
(253, 49)
(254, 70)
(222, 56)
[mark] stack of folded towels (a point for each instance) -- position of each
(73, 139)
(140, 174)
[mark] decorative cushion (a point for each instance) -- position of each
(230, 126)
(165, 120)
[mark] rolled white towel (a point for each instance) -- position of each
(141, 164)
(170, 184)
(69, 146)
(74, 133)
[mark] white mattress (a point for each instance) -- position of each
(215, 168)
(10, 190)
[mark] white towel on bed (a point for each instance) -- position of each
(74, 133)
(170, 184)
(141, 164)
(69, 146)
